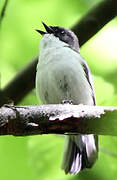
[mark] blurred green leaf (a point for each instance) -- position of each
(100, 52)
(45, 154)
(14, 159)
(104, 91)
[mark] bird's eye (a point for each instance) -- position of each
(62, 32)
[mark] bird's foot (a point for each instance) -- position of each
(67, 101)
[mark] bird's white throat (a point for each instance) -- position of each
(50, 41)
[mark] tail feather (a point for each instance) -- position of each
(76, 163)
(80, 153)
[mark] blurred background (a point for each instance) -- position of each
(39, 157)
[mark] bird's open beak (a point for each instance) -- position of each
(48, 29)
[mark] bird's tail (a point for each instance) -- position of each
(80, 152)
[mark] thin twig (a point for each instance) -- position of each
(2, 14)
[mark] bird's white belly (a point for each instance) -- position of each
(62, 79)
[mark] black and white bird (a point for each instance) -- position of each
(63, 74)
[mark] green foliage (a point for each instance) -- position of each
(39, 157)
(45, 156)
(103, 87)
(14, 159)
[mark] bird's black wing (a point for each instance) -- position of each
(89, 79)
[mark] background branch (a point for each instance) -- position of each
(88, 26)
(21, 84)
(58, 119)
(95, 19)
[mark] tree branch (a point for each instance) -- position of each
(21, 84)
(89, 25)
(95, 19)
(58, 119)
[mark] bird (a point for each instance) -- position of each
(63, 76)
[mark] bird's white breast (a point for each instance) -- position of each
(60, 75)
